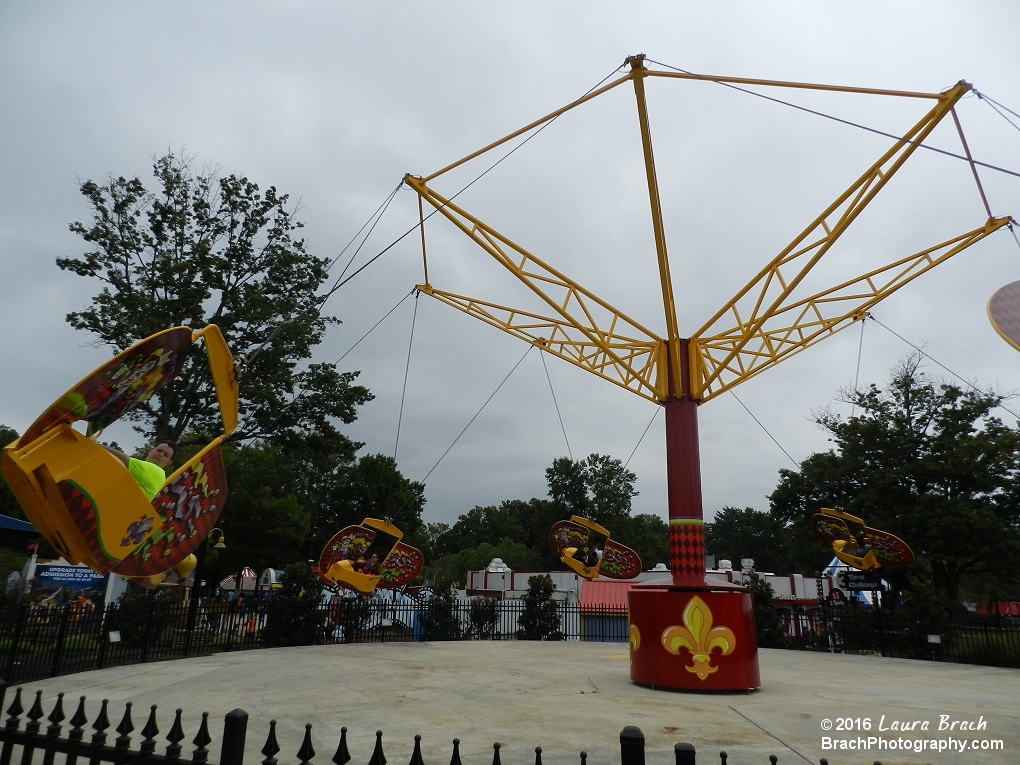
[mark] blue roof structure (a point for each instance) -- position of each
(13, 524)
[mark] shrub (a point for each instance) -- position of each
(541, 619)
(438, 620)
(80, 643)
(24, 646)
(483, 615)
(767, 625)
(295, 617)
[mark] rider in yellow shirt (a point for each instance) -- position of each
(149, 473)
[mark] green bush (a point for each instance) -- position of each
(80, 643)
(767, 625)
(484, 615)
(541, 619)
(24, 646)
(295, 617)
(438, 620)
(992, 649)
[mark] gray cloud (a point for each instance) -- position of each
(334, 102)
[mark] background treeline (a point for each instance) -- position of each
(926, 460)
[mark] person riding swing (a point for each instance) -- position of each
(149, 473)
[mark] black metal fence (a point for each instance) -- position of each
(45, 643)
(988, 640)
(23, 742)
(36, 644)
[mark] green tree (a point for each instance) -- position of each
(483, 525)
(540, 619)
(648, 536)
(598, 487)
(266, 520)
(12, 593)
(451, 569)
(926, 461)
(735, 534)
(201, 249)
(8, 504)
(484, 615)
(536, 517)
(767, 625)
(372, 487)
(296, 618)
(601, 488)
(439, 619)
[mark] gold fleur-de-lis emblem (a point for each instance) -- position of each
(699, 637)
(634, 636)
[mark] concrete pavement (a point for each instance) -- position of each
(565, 697)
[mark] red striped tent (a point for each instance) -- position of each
(249, 581)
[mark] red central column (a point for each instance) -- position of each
(691, 634)
(683, 490)
(683, 479)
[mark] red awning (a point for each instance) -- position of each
(605, 593)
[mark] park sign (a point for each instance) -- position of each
(79, 578)
(859, 580)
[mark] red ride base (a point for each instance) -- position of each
(695, 637)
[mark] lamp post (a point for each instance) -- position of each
(196, 589)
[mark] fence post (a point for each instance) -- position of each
(58, 649)
(235, 727)
(148, 632)
(16, 640)
(231, 612)
(632, 746)
(881, 629)
(684, 754)
(104, 634)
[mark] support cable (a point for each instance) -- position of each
(302, 392)
(857, 375)
(341, 282)
(407, 369)
(477, 413)
(968, 383)
(797, 464)
(918, 144)
(643, 434)
(1013, 232)
(374, 221)
(970, 161)
(424, 254)
(556, 404)
(998, 108)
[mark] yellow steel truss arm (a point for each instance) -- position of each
(729, 358)
(632, 363)
(765, 323)
(586, 330)
(743, 317)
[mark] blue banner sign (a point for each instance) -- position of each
(70, 577)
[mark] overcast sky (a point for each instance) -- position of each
(333, 102)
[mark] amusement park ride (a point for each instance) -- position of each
(762, 325)
(83, 499)
(343, 557)
(690, 633)
(865, 548)
(576, 543)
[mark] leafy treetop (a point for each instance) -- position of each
(926, 461)
(202, 249)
